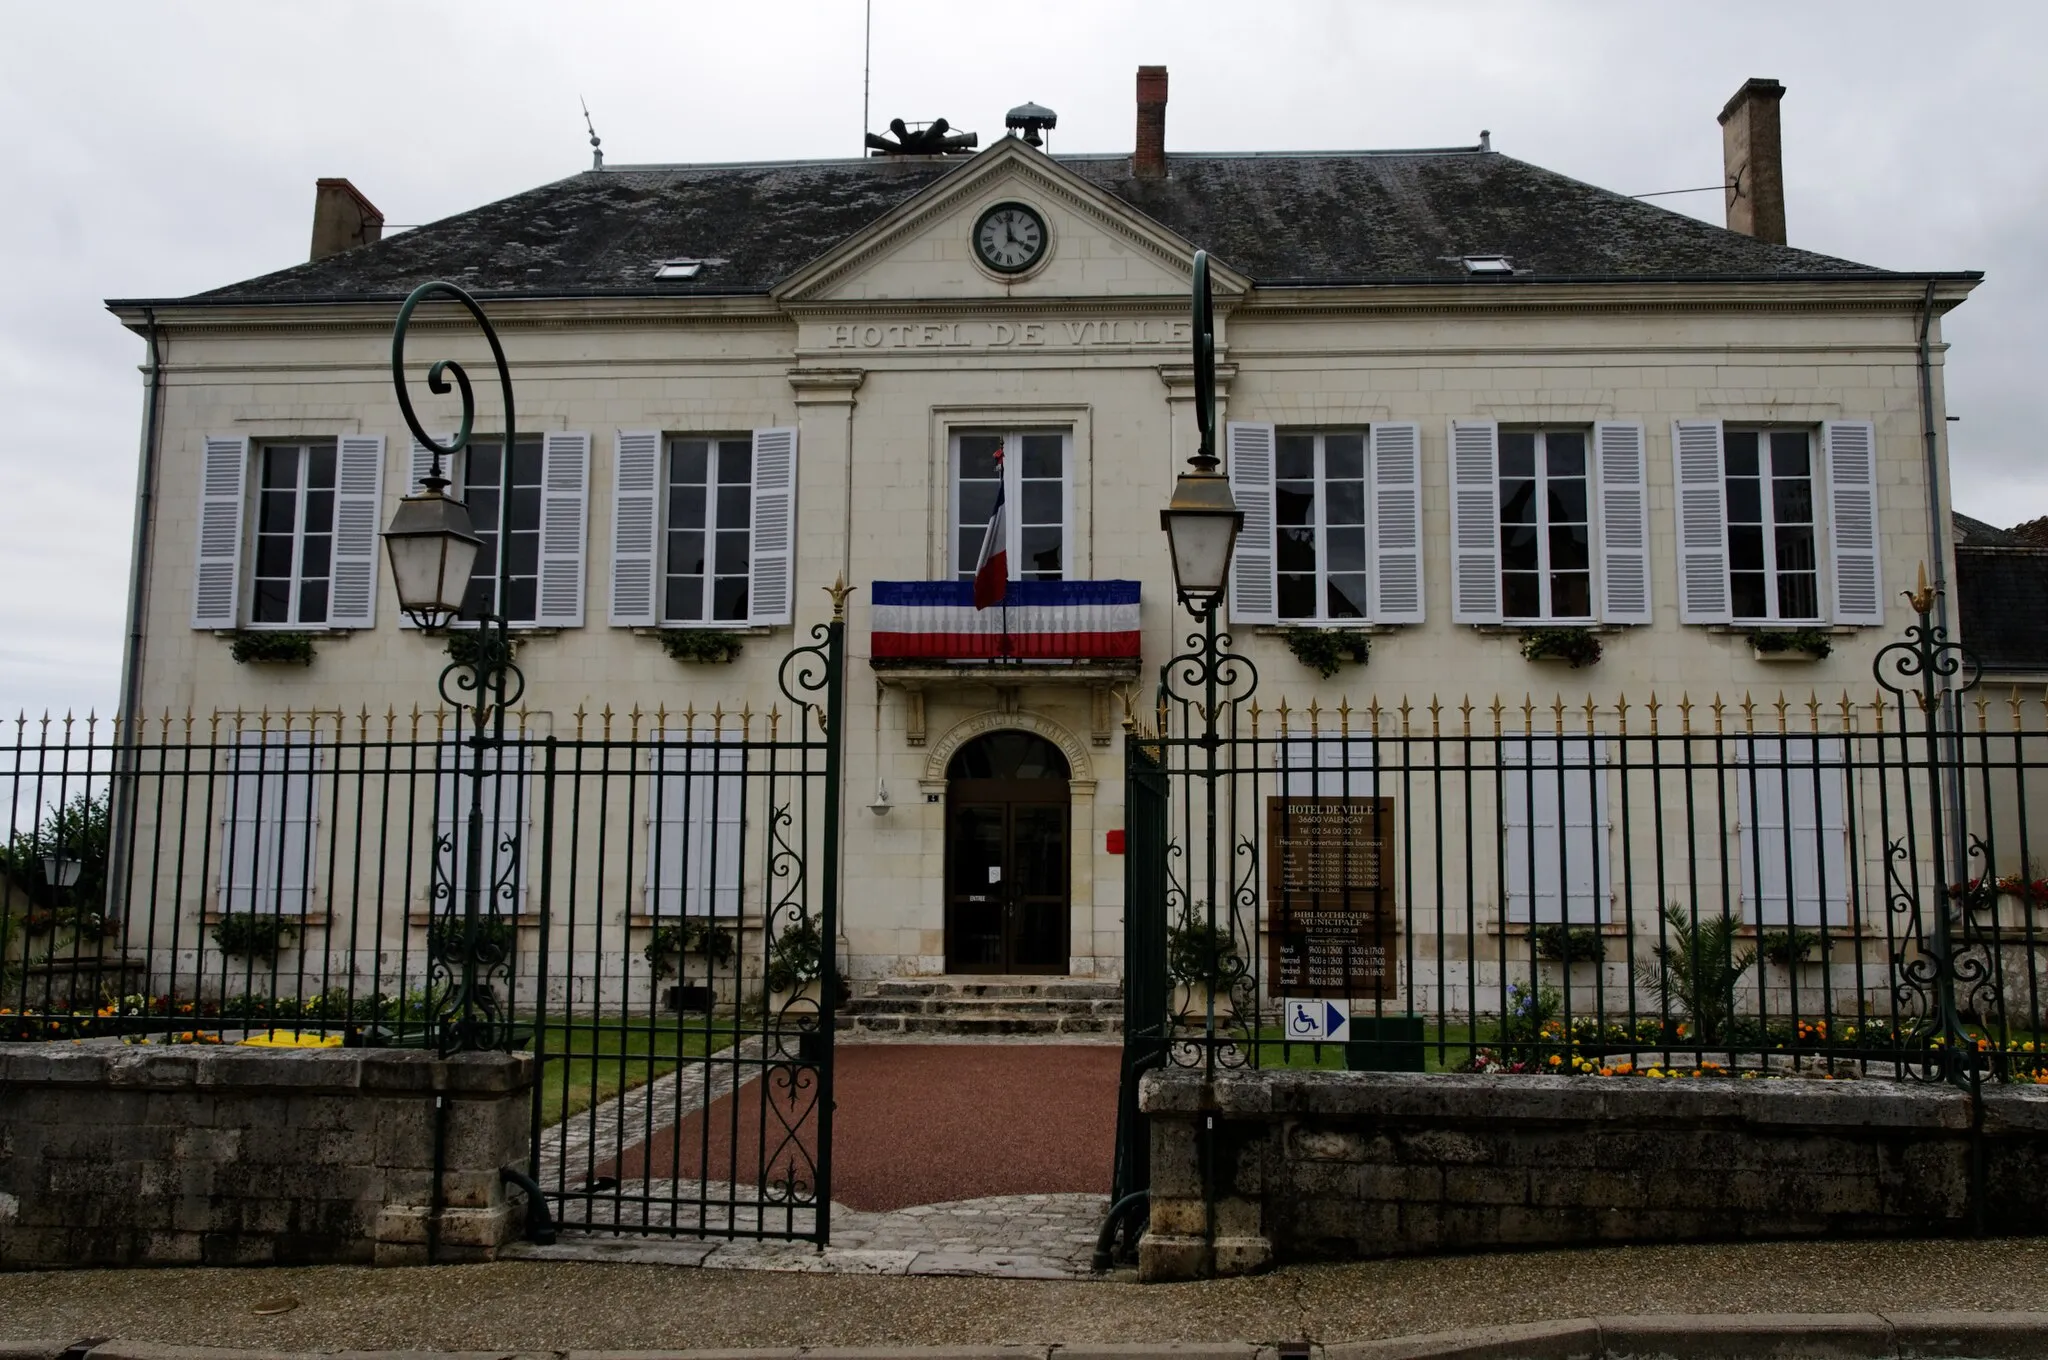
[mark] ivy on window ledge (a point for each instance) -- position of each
(1326, 650)
(462, 646)
(709, 645)
(253, 646)
(1811, 641)
(1575, 647)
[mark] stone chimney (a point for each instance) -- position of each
(1754, 161)
(342, 218)
(1149, 160)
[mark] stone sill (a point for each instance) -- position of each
(1367, 629)
(112, 1063)
(737, 630)
(1491, 1100)
(1522, 626)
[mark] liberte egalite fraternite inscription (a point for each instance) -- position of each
(1330, 897)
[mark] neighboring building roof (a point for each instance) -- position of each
(2002, 606)
(1310, 218)
(1975, 533)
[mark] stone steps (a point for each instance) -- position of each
(964, 1005)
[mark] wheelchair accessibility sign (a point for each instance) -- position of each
(1317, 1021)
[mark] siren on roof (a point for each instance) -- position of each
(1032, 120)
(935, 138)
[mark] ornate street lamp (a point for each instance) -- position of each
(433, 550)
(1202, 521)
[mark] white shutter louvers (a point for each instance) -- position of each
(636, 477)
(771, 588)
(216, 576)
(1619, 459)
(1700, 506)
(1475, 521)
(564, 515)
(1397, 522)
(358, 515)
(1852, 520)
(1254, 588)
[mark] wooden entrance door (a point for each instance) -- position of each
(1007, 833)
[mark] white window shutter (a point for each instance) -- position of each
(267, 824)
(1852, 520)
(1558, 825)
(223, 498)
(1475, 521)
(1699, 506)
(1397, 522)
(564, 519)
(772, 587)
(358, 512)
(1254, 589)
(1620, 461)
(419, 464)
(697, 821)
(636, 486)
(1802, 777)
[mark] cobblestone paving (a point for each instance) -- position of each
(586, 1139)
(1032, 1237)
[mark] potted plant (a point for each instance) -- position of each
(1325, 650)
(1787, 948)
(707, 938)
(1574, 646)
(2026, 890)
(796, 960)
(1204, 965)
(703, 645)
(1790, 644)
(1696, 972)
(1560, 943)
(253, 934)
(261, 647)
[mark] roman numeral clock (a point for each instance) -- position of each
(1010, 238)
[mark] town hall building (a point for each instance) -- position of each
(1462, 398)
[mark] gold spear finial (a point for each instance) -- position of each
(839, 590)
(1922, 599)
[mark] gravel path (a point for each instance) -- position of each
(544, 1306)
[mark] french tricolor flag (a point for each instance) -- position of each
(1046, 621)
(992, 568)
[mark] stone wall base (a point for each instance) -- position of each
(1260, 1168)
(120, 1155)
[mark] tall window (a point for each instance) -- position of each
(1032, 472)
(1319, 505)
(294, 534)
(710, 506)
(1773, 562)
(480, 484)
(1554, 810)
(1546, 536)
(267, 858)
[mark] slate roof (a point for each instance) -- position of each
(2002, 606)
(1313, 218)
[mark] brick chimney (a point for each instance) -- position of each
(1149, 160)
(1754, 161)
(342, 218)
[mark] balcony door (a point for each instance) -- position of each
(1007, 829)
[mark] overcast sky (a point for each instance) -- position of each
(159, 149)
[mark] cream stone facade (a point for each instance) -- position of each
(895, 340)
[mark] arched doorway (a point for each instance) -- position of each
(1006, 856)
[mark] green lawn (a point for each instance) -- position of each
(589, 1062)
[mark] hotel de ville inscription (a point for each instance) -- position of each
(1330, 897)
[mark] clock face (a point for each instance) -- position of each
(1010, 238)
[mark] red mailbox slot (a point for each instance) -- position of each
(1114, 842)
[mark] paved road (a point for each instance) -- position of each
(548, 1306)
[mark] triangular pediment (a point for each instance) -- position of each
(1098, 246)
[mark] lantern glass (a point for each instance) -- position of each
(432, 553)
(1201, 524)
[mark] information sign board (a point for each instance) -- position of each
(1330, 897)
